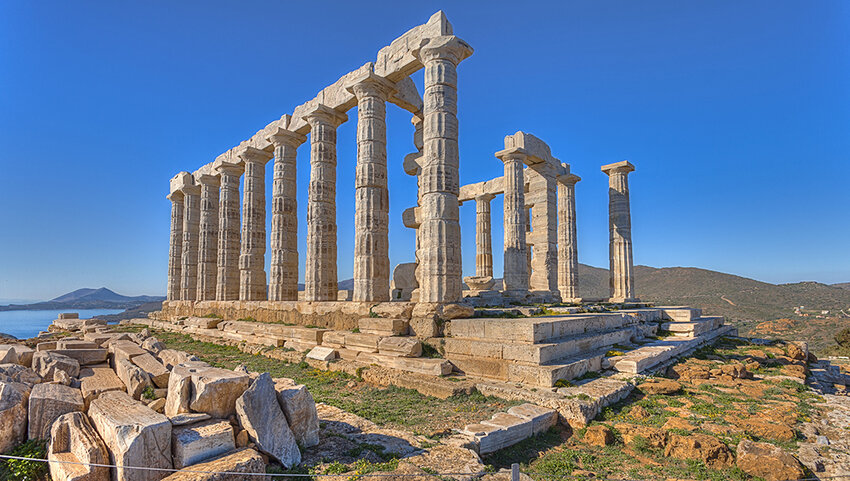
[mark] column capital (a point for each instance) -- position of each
(286, 137)
(176, 196)
(568, 179)
(229, 168)
(253, 154)
(447, 47)
(321, 113)
(514, 153)
(209, 179)
(618, 167)
(485, 197)
(371, 85)
(193, 189)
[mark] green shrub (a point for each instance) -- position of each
(149, 393)
(842, 337)
(21, 470)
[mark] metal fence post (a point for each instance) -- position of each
(515, 472)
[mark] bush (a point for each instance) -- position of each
(21, 470)
(842, 337)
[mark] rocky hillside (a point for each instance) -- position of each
(87, 298)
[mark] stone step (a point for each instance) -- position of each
(538, 353)
(545, 375)
(384, 327)
(421, 365)
(650, 355)
(538, 329)
(693, 328)
(681, 314)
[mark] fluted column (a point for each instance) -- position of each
(620, 228)
(567, 240)
(320, 276)
(175, 246)
(227, 280)
(189, 257)
(542, 187)
(516, 258)
(440, 261)
(208, 238)
(252, 259)
(283, 273)
(371, 216)
(483, 236)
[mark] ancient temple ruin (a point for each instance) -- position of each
(218, 252)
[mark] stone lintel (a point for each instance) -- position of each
(623, 166)
(328, 114)
(179, 181)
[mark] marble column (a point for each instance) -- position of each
(483, 236)
(567, 241)
(283, 274)
(227, 280)
(516, 258)
(622, 280)
(371, 216)
(542, 187)
(252, 257)
(440, 259)
(320, 275)
(208, 238)
(175, 246)
(189, 257)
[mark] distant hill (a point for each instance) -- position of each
(717, 293)
(843, 285)
(87, 298)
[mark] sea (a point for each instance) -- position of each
(26, 324)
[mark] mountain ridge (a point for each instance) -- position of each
(86, 298)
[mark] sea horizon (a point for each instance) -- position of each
(24, 324)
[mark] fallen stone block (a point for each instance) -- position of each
(202, 322)
(488, 438)
(171, 358)
(322, 353)
(400, 346)
(46, 403)
(541, 418)
(244, 461)
(198, 387)
(515, 429)
(75, 344)
(85, 357)
(125, 350)
(13, 415)
(154, 369)
(133, 377)
(199, 442)
(153, 345)
(188, 418)
(18, 373)
(134, 434)
(45, 346)
(44, 363)
(96, 380)
(260, 414)
(300, 411)
(74, 440)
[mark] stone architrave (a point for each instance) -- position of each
(622, 267)
(227, 278)
(371, 217)
(283, 273)
(175, 246)
(320, 275)
(567, 239)
(208, 238)
(483, 236)
(439, 231)
(252, 260)
(189, 257)
(516, 258)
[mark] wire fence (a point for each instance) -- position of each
(515, 472)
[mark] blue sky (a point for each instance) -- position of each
(736, 115)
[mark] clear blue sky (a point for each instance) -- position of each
(736, 114)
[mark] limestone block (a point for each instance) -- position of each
(45, 346)
(153, 345)
(541, 418)
(69, 315)
(421, 365)
(383, 327)
(46, 403)
(154, 369)
(171, 358)
(16, 354)
(198, 387)
(358, 341)
(188, 418)
(489, 437)
(18, 373)
(199, 442)
(13, 415)
(134, 434)
(322, 353)
(424, 328)
(96, 380)
(74, 440)
(134, 378)
(44, 363)
(393, 310)
(158, 405)
(245, 461)
(84, 356)
(334, 339)
(202, 322)
(479, 283)
(300, 410)
(63, 344)
(125, 350)
(400, 346)
(260, 414)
